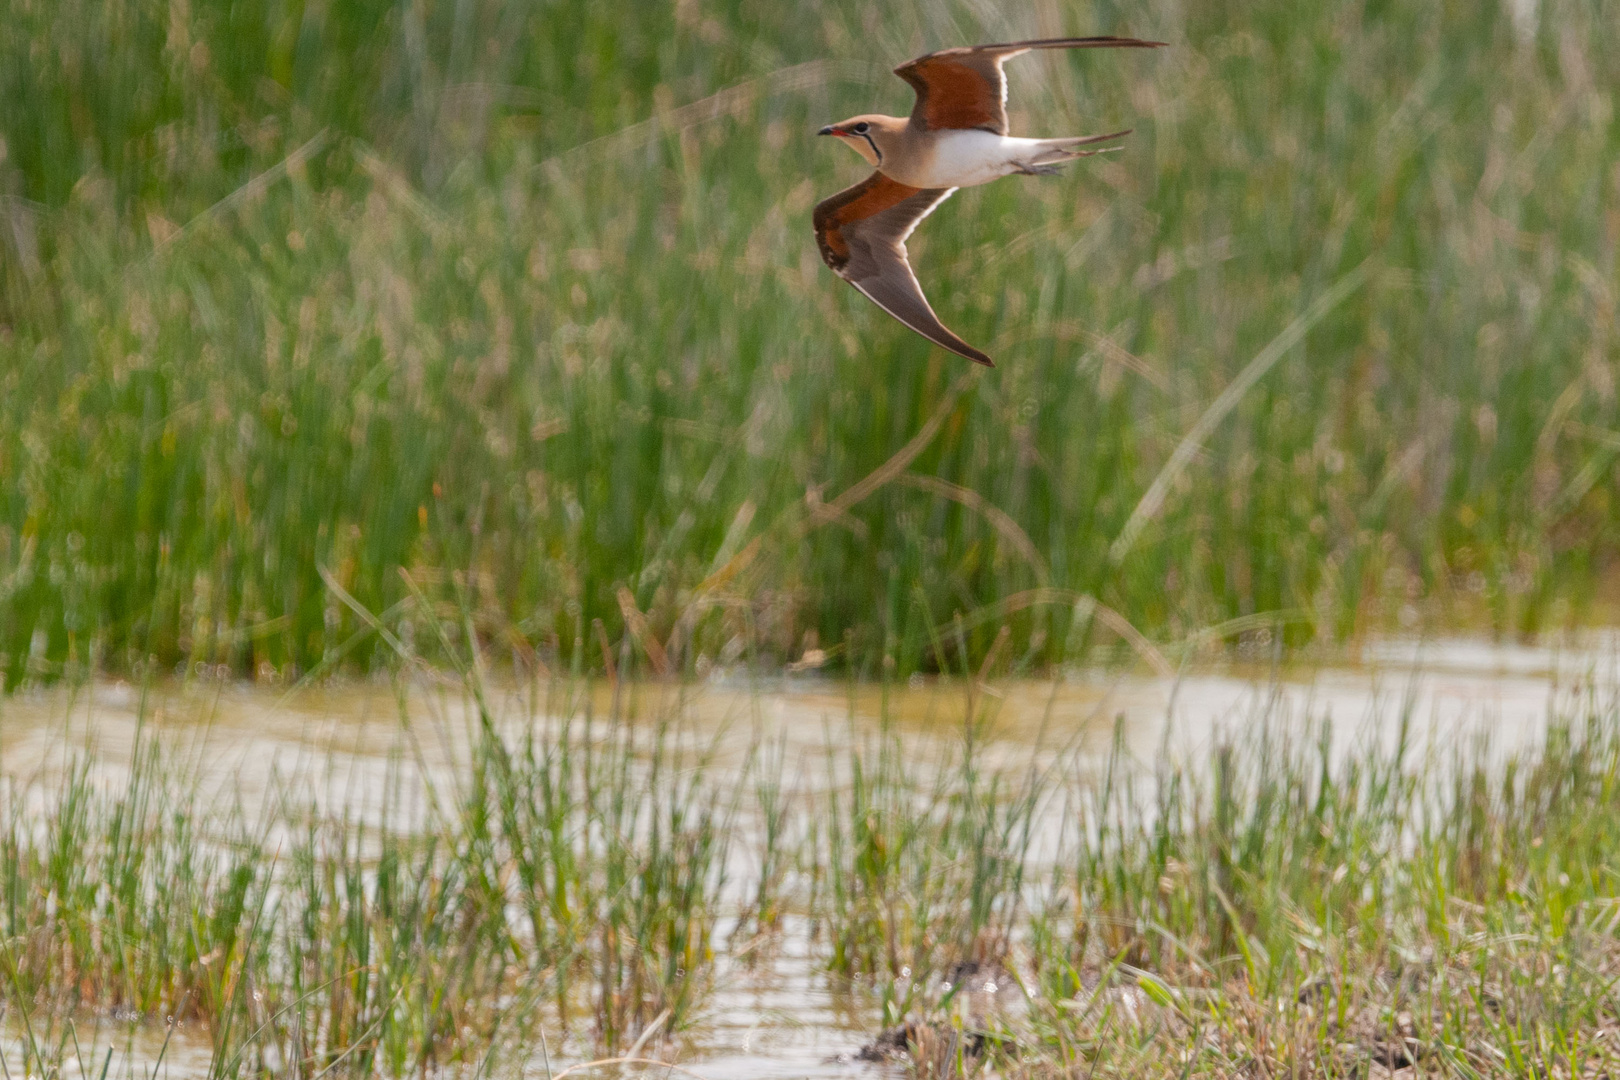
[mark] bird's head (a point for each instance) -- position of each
(870, 136)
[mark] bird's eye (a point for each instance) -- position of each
(861, 128)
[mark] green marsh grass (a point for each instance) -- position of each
(522, 299)
(1289, 904)
(575, 879)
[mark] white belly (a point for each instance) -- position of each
(966, 158)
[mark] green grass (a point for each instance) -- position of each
(1275, 907)
(522, 298)
(573, 880)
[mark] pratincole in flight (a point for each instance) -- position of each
(956, 136)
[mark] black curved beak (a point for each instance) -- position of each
(828, 130)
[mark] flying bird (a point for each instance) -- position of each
(956, 136)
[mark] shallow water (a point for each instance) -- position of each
(779, 1015)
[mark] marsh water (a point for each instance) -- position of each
(780, 1014)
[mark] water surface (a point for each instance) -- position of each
(778, 1015)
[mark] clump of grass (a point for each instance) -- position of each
(1288, 908)
(367, 948)
(137, 900)
(924, 860)
(525, 302)
(620, 854)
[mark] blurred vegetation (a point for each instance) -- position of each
(521, 298)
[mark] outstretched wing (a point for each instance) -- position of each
(966, 88)
(862, 235)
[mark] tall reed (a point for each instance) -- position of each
(523, 300)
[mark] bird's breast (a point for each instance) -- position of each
(953, 158)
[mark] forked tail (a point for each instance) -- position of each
(1057, 151)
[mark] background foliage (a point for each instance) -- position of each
(521, 297)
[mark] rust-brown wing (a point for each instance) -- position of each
(862, 233)
(966, 88)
